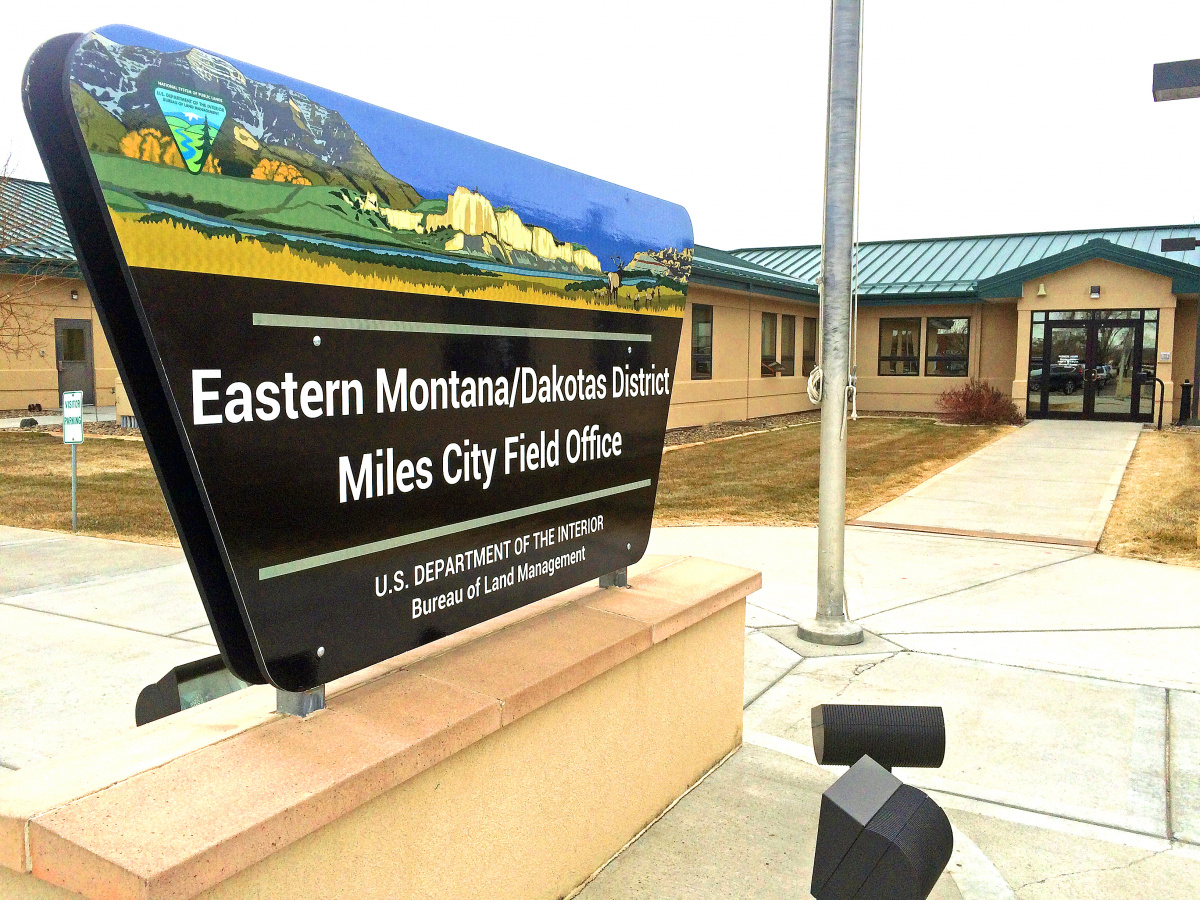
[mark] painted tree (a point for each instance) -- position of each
(205, 142)
(273, 170)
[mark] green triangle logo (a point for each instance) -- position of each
(194, 120)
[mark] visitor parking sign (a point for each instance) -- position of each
(72, 417)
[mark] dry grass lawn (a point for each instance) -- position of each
(118, 493)
(1157, 512)
(768, 479)
(771, 479)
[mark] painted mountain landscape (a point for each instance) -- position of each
(208, 169)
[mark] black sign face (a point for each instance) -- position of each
(394, 381)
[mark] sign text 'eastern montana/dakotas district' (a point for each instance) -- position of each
(380, 471)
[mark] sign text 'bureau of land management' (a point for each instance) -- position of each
(395, 381)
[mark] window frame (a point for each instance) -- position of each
(768, 363)
(68, 343)
(789, 362)
(946, 358)
(808, 356)
(892, 358)
(697, 375)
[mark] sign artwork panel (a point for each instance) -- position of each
(395, 381)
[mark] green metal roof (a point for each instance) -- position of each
(31, 230)
(716, 267)
(962, 266)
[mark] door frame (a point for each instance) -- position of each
(1092, 326)
(89, 347)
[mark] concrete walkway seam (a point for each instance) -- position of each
(97, 581)
(1034, 665)
(62, 615)
(633, 840)
(971, 587)
(977, 878)
(747, 704)
(1167, 766)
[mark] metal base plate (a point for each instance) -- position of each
(619, 578)
(300, 703)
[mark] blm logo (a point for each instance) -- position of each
(194, 120)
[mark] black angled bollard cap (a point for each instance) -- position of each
(911, 736)
(878, 839)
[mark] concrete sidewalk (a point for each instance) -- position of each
(85, 624)
(1072, 703)
(1052, 480)
(1069, 680)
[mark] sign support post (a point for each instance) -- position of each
(74, 503)
(831, 625)
(72, 426)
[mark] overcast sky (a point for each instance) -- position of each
(978, 117)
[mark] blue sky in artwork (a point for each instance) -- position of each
(607, 218)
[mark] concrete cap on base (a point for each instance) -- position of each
(834, 632)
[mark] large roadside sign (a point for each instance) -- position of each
(394, 380)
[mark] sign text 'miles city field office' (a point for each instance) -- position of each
(394, 380)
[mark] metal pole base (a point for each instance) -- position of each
(831, 632)
(619, 578)
(302, 703)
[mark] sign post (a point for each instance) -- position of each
(72, 429)
(395, 381)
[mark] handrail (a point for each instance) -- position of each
(1162, 396)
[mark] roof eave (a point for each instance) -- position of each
(1010, 283)
(799, 293)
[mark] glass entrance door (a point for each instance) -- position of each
(1113, 380)
(1093, 364)
(1063, 374)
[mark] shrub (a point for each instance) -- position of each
(978, 403)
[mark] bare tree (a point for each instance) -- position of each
(24, 274)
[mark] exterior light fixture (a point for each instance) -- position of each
(910, 736)
(1042, 289)
(1177, 80)
(878, 838)
(74, 295)
(1095, 292)
(1174, 245)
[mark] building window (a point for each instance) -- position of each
(770, 333)
(74, 345)
(787, 345)
(947, 347)
(810, 345)
(899, 346)
(702, 342)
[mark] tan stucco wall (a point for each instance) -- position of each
(533, 809)
(1183, 349)
(1121, 287)
(33, 377)
(908, 393)
(998, 343)
(737, 390)
(124, 409)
